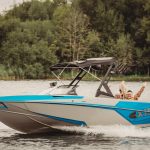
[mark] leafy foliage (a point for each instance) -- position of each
(36, 34)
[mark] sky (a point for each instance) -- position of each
(7, 4)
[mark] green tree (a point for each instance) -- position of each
(28, 45)
(95, 46)
(121, 49)
(36, 34)
(71, 31)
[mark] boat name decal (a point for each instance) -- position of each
(139, 114)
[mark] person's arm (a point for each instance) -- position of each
(123, 89)
(138, 94)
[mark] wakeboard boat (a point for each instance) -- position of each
(61, 105)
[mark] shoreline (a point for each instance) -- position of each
(114, 78)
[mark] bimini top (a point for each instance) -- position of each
(93, 62)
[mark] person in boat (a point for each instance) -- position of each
(124, 94)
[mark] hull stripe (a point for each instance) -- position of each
(71, 121)
(35, 98)
(94, 105)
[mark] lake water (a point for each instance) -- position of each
(114, 137)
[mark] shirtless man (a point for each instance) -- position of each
(124, 94)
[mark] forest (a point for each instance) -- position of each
(36, 34)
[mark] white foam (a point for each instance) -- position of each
(111, 131)
(3, 126)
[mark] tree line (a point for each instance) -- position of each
(36, 34)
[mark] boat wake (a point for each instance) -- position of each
(107, 131)
(110, 131)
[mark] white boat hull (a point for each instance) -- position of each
(33, 117)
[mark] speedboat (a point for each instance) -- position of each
(61, 105)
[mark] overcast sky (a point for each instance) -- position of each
(7, 4)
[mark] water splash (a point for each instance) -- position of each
(2, 126)
(111, 131)
(108, 131)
